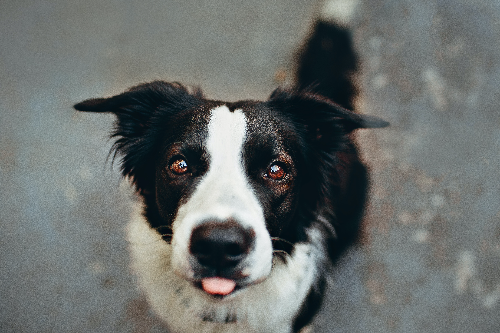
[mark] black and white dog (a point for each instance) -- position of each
(243, 205)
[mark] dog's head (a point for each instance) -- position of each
(231, 185)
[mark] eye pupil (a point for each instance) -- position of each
(179, 166)
(276, 172)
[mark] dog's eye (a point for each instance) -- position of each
(276, 171)
(179, 166)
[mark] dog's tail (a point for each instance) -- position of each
(327, 63)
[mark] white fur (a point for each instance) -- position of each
(269, 306)
(223, 193)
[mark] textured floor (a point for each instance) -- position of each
(430, 258)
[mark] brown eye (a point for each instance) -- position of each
(276, 171)
(179, 166)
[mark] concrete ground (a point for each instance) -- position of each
(430, 256)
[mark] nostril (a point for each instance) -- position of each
(234, 249)
(220, 244)
(201, 248)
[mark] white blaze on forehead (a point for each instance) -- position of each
(224, 191)
(226, 135)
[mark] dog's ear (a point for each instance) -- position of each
(320, 112)
(340, 177)
(137, 110)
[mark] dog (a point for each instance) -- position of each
(242, 206)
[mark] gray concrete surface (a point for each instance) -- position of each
(430, 256)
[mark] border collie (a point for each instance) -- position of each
(243, 206)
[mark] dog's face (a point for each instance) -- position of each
(223, 184)
(230, 185)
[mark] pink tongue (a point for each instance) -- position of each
(218, 286)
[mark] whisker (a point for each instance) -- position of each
(162, 227)
(164, 238)
(165, 232)
(280, 244)
(281, 240)
(281, 254)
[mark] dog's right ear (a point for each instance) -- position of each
(137, 111)
(136, 108)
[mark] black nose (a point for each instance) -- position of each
(221, 245)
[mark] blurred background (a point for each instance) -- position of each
(430, 256)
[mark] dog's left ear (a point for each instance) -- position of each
(320, 112)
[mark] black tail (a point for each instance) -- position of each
(326, 66)
(327, 62)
